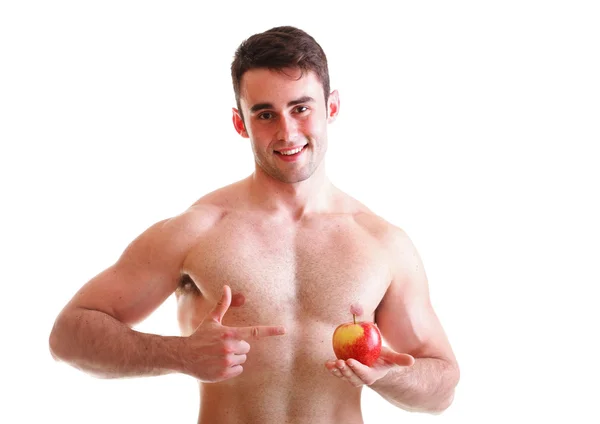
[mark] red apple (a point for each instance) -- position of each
(357, 340)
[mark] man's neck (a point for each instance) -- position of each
(294, 199)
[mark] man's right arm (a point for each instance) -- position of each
(94, 330)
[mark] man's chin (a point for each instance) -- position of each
(292, 178)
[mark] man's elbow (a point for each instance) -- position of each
(441, 406)
(452, 379)
(54, 344)
(58, 341)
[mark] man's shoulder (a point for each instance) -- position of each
(378, 226)
(391, 235)
(205, 212)
(366, 218)
(221, 199)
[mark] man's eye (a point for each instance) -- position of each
(265, 115)
(301, 109)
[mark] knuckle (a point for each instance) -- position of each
(255, 332)
(243, 347)
(227, 361)
(228, 373)
(238, 371)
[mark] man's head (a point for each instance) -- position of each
(277, 49)
(281, 84)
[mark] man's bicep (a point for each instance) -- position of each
(145, 275)
(409, 324)
(405, 316)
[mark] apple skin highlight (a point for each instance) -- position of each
(358, 340)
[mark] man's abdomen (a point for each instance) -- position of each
(284, 381)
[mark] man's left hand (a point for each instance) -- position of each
(359, 374)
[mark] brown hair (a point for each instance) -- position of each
(278, 48)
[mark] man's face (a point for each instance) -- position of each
(285, 118)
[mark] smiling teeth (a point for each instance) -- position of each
(292, 152)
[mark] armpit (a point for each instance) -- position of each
(187, 286)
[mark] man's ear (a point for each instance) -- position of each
(333, 106)
(238, 123)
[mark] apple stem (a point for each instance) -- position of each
(354, 318)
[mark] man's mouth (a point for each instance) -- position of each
(290, 152)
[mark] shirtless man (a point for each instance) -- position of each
(265, 269)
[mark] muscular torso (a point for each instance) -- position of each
(302, 274)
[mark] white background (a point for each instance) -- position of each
(472, 125)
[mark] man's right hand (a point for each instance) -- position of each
(215, 352)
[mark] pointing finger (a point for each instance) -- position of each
(257, 332)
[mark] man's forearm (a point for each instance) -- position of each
(102, 346)
(427, 386)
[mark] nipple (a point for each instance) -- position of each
(356, 309)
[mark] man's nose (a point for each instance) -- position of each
(287, 129)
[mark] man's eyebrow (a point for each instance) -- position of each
(303, 99)
(261, 106)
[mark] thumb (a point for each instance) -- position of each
(402, 359)
(222, 305)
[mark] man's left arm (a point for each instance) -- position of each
(409, 324)
(411, 329)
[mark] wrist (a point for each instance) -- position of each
(390, 377)
(167, 353)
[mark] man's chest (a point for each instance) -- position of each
(316, 271)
